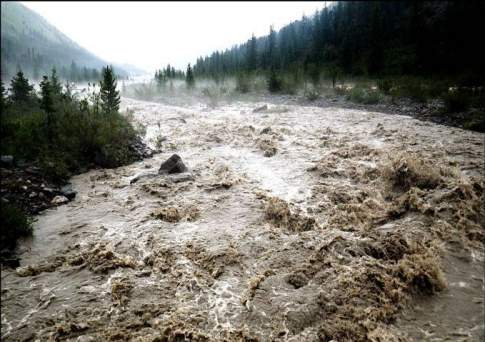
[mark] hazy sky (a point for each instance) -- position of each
(152, 34)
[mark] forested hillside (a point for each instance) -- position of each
(33, 45)
(366, 38)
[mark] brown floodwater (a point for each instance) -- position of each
(205, 259)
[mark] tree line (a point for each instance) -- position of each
(62, 133)
(375, 39)
(34, 65)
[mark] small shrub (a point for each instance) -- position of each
(275, 84)
(456, 101)
(475, 121)
(242, 83)
(312, 95)
(364, 96)
(340, 91)
(410, 88)
(15, 224)
(385, 85)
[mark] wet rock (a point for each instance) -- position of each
(59, 200)
(68, 192)
(266, 130)
(6, 160)
(143, 175)
(182, 177)
(260, 109)
(174, 164)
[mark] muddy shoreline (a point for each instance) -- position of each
(300, 223)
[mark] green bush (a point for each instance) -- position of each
(15, 224)
(364, 96)
(475, 121)
(411, 88)
(312, 95)
(385, 85)
(275, 84)
(74, 136)
(242, 83)
(457, 101)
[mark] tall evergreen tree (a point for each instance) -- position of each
(2, 96)
(55, 83)
(20, 89)
(189, 77)
(110, 97)
(252, 54)
(46, 101)
(47, 105)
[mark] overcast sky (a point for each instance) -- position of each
(152, 34)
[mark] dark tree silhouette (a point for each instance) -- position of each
(110, 97)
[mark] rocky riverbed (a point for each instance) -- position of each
(296, 223)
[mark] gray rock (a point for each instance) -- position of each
(59, 200)
(174, 164)
(6, 160)
(68, 191)
(143, 175)
(181, 177)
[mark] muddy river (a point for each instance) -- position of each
(298, 224)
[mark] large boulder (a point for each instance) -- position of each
(174, 164)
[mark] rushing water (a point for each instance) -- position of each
(200, 268)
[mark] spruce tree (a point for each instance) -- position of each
(251, 57)
(2, 96)
(55, 84)
(189, 77)
(110, 97)
(47, 104)
(46, 101)
(20, 89)
(274, 83)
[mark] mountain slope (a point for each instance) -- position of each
(31, 43)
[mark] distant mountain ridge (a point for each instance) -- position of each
(30, 42)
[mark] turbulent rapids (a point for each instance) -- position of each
(296, 224)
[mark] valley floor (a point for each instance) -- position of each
(294, 227)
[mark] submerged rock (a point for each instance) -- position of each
(174, 164)
(260, 109)
(60, 200)
(181, 177)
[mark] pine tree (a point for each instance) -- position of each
(55, 84)
(46, 101)
(20, 89)
(110, 97)
(47, 104)
(2, 96)
(274, 83)
(252, 56)
(189, 77)
(270, 54)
